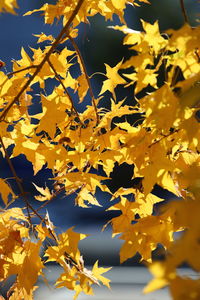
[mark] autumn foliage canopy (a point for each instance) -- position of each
(162, 145)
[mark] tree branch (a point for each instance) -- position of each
(18, 181)
(55, 194)
(45, 59)
(66, 91)
(86, 75)
(163, 137)
(21, 70)
(184, 11)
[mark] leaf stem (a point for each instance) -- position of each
(97, 73)
(86, 75)
(163, 137)
(66, 91)
(55, 194)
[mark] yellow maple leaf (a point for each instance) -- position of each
(86, 196)
(117, 109)
(31, 266)
(21, 293)
(119, 4)
(159, 104)
(8, 6)
(43, 232)
(77, 281)
(15, 213)
(144, 236)
(83, 87)
(28, 147)
(68, 280)
(143, 78)
(113, 79)
(96, 271)
(5, 191)
(132, 245)
(51, 116)
(153, 37)
(24, 62)
(128, 210)
(86, 182)
(146, 203)
(43, 37)
(157, 171)
(159, 271)
(108, 158)
(132, 36)
(185, 288)
(46, 194)
(190, 97)
(67, 243)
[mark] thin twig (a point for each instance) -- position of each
(175, 75)
(197, 55)
(28, 207)
(46, 57)
(66, 91)
(163, 137)
(184, 11)
(55, 194)
(21, 70)
(86, 76)
(16, 178)
(97, 73)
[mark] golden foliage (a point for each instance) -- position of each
(162, 145)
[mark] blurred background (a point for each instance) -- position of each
(98, 44)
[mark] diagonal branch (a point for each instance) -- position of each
(86, 75)
(21, 189)
(54, 195)
(66, 91)
(67, 256)
(184, 11)
(45, 59)
(21, 70)
(163, 137)
(18, 181)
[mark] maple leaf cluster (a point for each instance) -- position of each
(163, 146)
